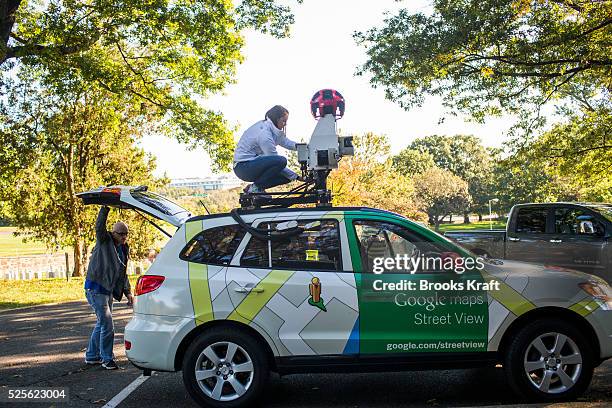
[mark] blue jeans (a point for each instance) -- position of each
(103, 335)
(264, 171)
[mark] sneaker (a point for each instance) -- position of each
(252, 188)
(110, 365)
(93, 362)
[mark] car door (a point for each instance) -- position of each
(300, 291)
(397, 314)
(578, 240)
(527, 238)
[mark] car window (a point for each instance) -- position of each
(531, 220)
(213, 246)
(157, 202)
(379, 239)
(315, 248)
(574, 221)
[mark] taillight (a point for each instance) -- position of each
(148, 283)
(128, 345)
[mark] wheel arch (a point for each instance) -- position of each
(550, 312)
(217, 324)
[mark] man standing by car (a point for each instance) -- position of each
(106, 279)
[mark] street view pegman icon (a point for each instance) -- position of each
(315, 294)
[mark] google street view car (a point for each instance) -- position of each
(234, 296)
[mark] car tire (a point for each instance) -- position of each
(216, 384)
(549, 360)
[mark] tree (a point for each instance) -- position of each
(462, 155)
(521, 179)
(164, 54)
(411, 162)
(489, 57)
(579, 150)
(60, 143)
(485, 57)
(369, 179)
(440, 193)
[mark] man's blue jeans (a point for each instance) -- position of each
(103, 334)
(264, 171)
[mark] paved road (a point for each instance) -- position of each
(43, 347)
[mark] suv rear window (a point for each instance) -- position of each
(214, 246)
(531, 220)
(317, 248)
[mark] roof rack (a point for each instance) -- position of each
(312, 191)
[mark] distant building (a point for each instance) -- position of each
(220, 182)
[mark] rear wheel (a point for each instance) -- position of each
(549, 360)
(225, 368)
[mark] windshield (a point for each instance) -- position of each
(157, 202)
(603, 209)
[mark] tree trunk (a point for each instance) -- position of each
(78, 258)
(450, 218)
(466, 218)
(437, 222)
(8, 14)
(479, 217)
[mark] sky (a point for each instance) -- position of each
(320, 53)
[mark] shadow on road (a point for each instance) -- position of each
(44, 346)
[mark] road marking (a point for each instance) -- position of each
(124, 393)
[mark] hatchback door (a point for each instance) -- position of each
(137, 198)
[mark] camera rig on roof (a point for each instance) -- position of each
(317, 158)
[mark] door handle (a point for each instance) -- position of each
(248, 289)
(513, 239)
(556, 241)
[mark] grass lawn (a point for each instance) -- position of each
(20, 293)
(472, 226)
(11, 245)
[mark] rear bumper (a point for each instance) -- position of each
(155, 340)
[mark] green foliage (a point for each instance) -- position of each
(163, 55)
(462, 155)
(489, 57)
(579, 150)
(521, 179)
(216, 201)
(485, 57)
(369, 179)
(411, 162)
(440, 193)
(60, 143)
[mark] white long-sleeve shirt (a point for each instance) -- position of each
(261, 139)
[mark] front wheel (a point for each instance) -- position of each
(549, 360)
(225, 368)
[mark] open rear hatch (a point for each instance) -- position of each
(139, 199)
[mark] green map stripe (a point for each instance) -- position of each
(585, 307)
(200, 293)
(252, 304)
(508, 296)
(192, 228)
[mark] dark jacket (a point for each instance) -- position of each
(104, 266)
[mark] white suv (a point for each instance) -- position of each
(234, 296)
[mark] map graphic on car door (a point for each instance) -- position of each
(298, 291)
(397, 314)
